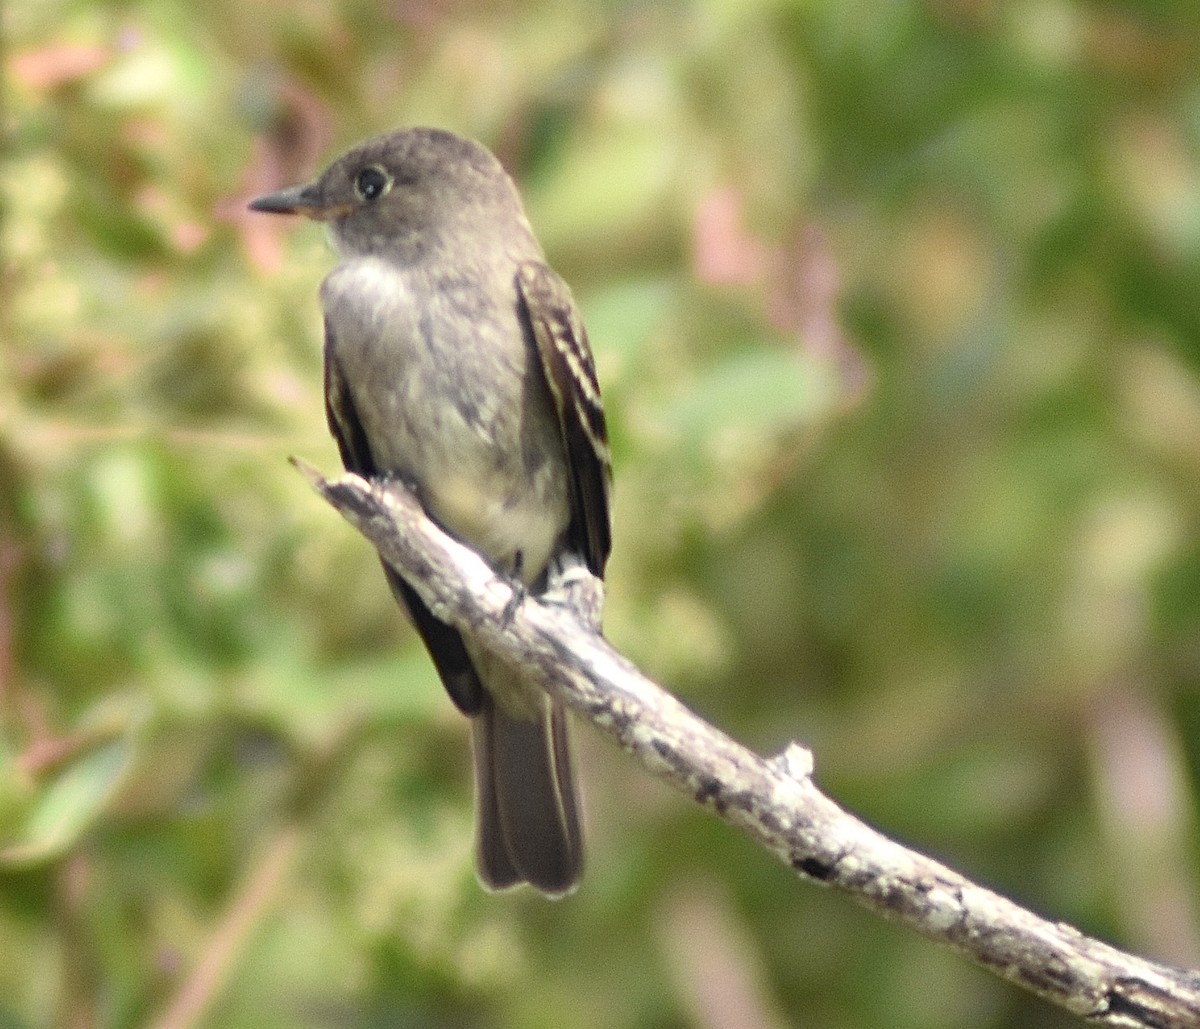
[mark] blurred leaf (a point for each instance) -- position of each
(69, 804)
(750, 395)
(605, 185)
(621, 317)
(318, 702)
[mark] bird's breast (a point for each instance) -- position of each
(449, 396)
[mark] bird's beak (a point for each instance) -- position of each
(304, 200)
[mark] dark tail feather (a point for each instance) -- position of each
(560, 741)
(491, 852)
(528, 813)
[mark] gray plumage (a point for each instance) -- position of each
(456, 361)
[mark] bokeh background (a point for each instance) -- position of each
(896, 307)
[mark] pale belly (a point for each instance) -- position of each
(460, 420)
(504, 528)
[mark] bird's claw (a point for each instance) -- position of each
(517, 584)
(514, 603)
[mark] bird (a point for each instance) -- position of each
(456, 362)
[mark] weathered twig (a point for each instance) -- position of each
(775, 801)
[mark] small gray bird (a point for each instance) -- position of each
(455, 360)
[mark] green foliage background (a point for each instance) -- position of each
(896, 309)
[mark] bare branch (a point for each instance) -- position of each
(775, 801)
(267, 877)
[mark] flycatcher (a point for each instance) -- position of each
(456, 361)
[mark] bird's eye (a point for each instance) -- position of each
(372, 182)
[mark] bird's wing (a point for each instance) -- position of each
(444, 643)
(342, 417)
(570, 373)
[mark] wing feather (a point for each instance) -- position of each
(570, 372)
(444, 642)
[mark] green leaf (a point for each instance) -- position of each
(756, 392)
(621, 318)
(69, 804)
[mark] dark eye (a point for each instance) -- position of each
(371, 183)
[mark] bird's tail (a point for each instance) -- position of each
(526, 805)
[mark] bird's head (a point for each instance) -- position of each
(402, 190)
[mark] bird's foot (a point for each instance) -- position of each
(571, 585)
(517, 584)
(387, 479)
